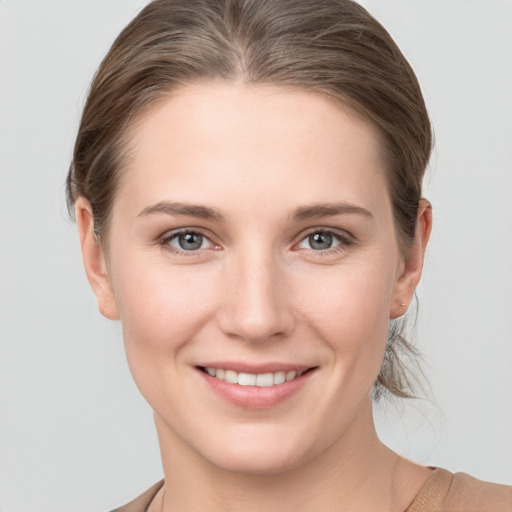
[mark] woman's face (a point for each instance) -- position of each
(252, 237)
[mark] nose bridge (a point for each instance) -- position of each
(256, 306)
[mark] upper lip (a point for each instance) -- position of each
(256, 369)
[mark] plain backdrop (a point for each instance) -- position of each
(74, 433)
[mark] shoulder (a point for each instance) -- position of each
(142, 502)
(470, 494)
(459, 492)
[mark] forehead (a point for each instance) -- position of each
(253, 139)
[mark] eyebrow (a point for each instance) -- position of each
(298, 214)
(328, 210)
(183, 209)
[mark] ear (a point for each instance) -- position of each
(409, 278)
(94, 260)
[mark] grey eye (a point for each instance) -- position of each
(189, 241)
(320, 241)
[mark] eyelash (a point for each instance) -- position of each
(165, 241)
(345, 240)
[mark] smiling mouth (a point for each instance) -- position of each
(250, 379)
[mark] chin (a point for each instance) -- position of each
(259, 453)
(257, 464)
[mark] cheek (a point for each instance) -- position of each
(162, 307)
(349, 309)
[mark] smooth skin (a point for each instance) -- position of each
(213, 254)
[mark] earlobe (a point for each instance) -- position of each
(94, 260)
(410, 276)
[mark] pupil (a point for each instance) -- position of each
(190, 241)
(320, 240)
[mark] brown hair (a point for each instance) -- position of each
(333, 47)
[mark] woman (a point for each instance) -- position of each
(247, 188)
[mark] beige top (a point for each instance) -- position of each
(443, 492)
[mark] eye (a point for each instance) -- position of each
(324, 240)
(188, 241)
(319, 241)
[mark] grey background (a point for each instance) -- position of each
(74, 433)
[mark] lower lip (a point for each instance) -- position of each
(255, 397)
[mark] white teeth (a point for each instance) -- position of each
(279, 377)
(246, 379)
(265, 379)
(231, 377)
(290, 375)
(250, 379)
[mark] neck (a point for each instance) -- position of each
(356, 473)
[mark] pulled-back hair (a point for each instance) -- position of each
(332, 47)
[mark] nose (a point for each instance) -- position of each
(256, 306)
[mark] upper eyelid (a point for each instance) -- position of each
(342, 233)
(171, 233)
